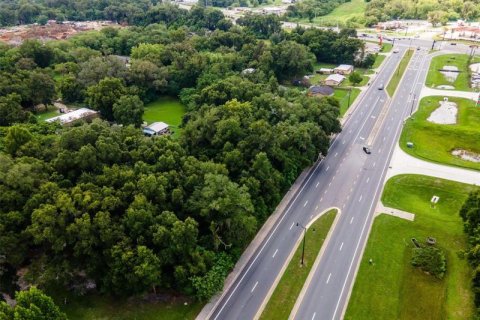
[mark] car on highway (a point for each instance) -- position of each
(453, 44)
(395, 50)
(418, 48)
(380, 87)
(367, 150)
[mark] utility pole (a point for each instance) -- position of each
(349, 93)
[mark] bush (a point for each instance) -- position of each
(431, 260)
(212, 282)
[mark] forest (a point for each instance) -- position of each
(98, 206)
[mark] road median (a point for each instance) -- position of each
(398, 75)
(293, 279)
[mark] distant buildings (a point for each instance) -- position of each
(334, 79)
(84, 114)
(156, 129)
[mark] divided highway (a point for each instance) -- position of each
(334, 182)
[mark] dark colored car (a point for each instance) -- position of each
(367, 150)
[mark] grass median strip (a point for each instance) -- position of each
(395, 80)
(283, 298)
(389, 287)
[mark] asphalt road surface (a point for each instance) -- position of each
(347, 178)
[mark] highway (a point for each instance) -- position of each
(330, 184)
(347, 178)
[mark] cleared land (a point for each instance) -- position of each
(435, 142)
(344, 12)
(286, 293)
(47, 114)
(165, 109)
(99, 307)
(391, 288)
(397, 76)
(435, 78)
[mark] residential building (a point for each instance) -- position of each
(69, 118)
(334, 79)
(343, 69)
(156, 129)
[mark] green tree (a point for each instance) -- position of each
(42, 88)
(16, 137)
(291, 59)
(128, 110)
(104, 95)
(355, 78)
(31, 305)
(10, 110)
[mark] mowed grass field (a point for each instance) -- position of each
(435, 142)
(109, 308)
(435, 78)
(342, 96)
(344, 12)
(283, 298)
(391, 288)
(166, 109)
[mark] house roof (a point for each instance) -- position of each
(335, 77)
(344, 67)
(156, 127)
(326, 69)
(323, 90)
(72, 116)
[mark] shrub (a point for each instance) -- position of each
(431, 260)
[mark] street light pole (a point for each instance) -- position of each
(413, 102)
(304, 236)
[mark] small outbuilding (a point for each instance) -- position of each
(156, 129)
(320, 91)
(324, 71)
(334, 80)
(69, 118)
(343, 69)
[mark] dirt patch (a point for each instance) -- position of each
(51, 31)
(450, 73)
(466, 155)
(445, 114)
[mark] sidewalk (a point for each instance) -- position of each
(393, 212)
(403, 163)
(426, 91)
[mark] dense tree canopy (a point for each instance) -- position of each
(101, 204)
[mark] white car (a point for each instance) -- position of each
(395, 50)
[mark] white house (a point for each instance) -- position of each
(343, 69)
(334, 79)
(76, 115)
(156, 129)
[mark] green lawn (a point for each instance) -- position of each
(342, 96)
(165, 109)
(50, 113)
(344, 12)
(436, 78)
(391, 288)
(378, 61)
(397, 76)
(283, 298)
(434, 142)
(386, 47)
(100, 307)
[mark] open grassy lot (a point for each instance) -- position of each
(434, 142)
(100, 307)
(342, 96)
(342, 13)
(397, 76)
(435, 78)
(165, 109)
(391, 288)
(286, 293)
(378, 61)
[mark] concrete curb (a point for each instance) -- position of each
(257, 241)
(316, 263)
(289, 259)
